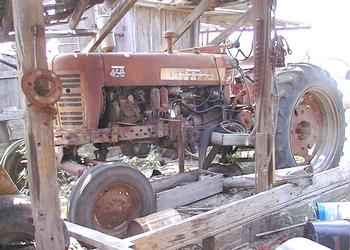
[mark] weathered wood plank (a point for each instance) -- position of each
(281, 175)
(190, 19)
(232, 28)
(133, 32)
(291, 215)
(209, 243)
(97, 239)
(206, 186)
(263, 76)
(143, 29)
(240, 212)
(122, 7)
(166, 182)
(78, 13)
(10, 94)
(29, 27)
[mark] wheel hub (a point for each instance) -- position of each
(307, 128)
(114, 206)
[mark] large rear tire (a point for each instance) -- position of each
(311, 120)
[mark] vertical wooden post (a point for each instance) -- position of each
(31, 54)
(195, 33)
(263, 74)
(119, 11)
(195, 14)
(208, 243)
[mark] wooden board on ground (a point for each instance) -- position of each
(97, 239)
(242, 212)
(296, 175)
(207, 185)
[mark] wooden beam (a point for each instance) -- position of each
(289, 175)
(62, 33)
(122, 7)
(78, 13)
(241, 212)
(31, 53)
(208, 243)
(235, 27)
(206, 186)
(97, 239)
(194, 34)
(203, 6)
(163, 183)
(264, 147)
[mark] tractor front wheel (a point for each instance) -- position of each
(108, 196)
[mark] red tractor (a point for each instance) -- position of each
(199, 102)
(135, 100)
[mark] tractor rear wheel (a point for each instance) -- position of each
(311, 120)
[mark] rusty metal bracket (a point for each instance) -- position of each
(41, 87)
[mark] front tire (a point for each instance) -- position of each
(311, 119)
(108, 196)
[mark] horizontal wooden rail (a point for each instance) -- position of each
(97, 239)
(240, 212)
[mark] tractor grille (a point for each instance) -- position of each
(70, 105)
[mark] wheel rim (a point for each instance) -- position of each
(313, 129)
(115, 206)
(13, 160)
(20, 176)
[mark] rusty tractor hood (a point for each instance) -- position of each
(84, 76)
(145, 69)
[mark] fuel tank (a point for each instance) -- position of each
(84, 76)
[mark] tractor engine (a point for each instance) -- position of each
(135, 100)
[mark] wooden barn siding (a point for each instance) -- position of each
(10, 90)
(143, 28)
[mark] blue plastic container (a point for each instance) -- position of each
(328, 211)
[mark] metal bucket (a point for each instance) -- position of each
(332, 234)
(329, 211)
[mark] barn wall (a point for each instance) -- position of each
(143, 28)
(10, 91)
(140, 30)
